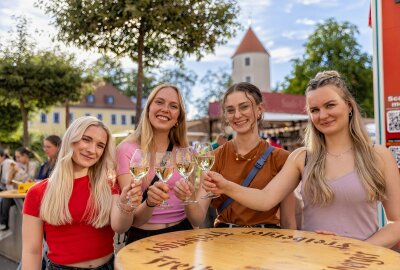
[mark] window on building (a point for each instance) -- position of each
(109, 100)
(133, 119)
(43, 118)
(90, 99)
(56, 117)
(113, 119)
(248, 79)
(247, 61)
(100, 116)
(123, 119)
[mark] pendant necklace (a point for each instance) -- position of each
(240, 157)
(341, 154)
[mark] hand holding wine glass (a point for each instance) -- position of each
(164, 168)
(205, 160)
(185, 166)
(139, 166)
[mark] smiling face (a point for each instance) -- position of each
(89, 149)
(328, 110)
(164, 110)
(241, 111)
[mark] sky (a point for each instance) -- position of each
(281, 25)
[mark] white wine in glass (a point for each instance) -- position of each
(164, 169)
(205, 160)
(185, 166)
(139, 165)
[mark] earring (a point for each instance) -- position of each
(350, 113)
(259, 117)
(176, 124)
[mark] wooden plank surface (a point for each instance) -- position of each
(253, 248)
(12, 194)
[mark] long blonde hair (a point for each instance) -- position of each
(144, 133)
(316, 186)
(54, 208)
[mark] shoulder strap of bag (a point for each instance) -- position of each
(155, 178)
(259, 164)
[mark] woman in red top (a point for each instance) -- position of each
(73, 207)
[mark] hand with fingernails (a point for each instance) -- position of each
(183, 189)
(157, 193)
(215, 182)
(131, 195)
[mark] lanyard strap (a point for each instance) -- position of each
(259, 164)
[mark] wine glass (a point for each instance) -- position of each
(139, 166)
(205, 160)
(185, 165)
(164, 169)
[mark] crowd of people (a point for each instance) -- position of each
(88, 192)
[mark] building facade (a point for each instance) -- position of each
(106, 103)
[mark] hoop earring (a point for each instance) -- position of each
(351, 114)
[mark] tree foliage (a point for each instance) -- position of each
(149, 32)
(333, 45)
(214, 85)
(36, 80)
(111, 71)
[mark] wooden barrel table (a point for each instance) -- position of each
(253, 248)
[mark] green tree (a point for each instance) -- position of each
(111, 71)
(214, 85)
(333, 45)
(148, 32)
(36, 80)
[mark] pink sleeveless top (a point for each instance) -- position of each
(349, 214)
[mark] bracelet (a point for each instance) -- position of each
(119, 205)
(148, 205)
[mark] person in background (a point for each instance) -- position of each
(162, 126)
(343, 175)
(242, 110)
(51, 145)
(26, 169)
(274, 142)
(6, 165)
(221, 139)
(76, 207)
(22, 171)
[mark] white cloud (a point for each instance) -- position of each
(306, 21)
(284, 54)
(297, 35)
(325, 3)
(288, 8)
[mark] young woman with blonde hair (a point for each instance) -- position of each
(73, 208)
(162, 126)
(343, 175)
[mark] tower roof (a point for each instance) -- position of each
(250, 43)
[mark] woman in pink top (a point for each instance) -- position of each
(162, 126)
(76, 208)
(343, 174)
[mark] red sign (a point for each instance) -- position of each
(391, 74)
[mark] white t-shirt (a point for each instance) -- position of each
(6, 168)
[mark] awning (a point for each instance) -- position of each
(284, 117)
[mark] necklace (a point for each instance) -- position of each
(341, 154)
(240, 157)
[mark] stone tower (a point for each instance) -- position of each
(250, 63)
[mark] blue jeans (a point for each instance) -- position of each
(107, 266)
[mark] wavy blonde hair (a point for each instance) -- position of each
(316, 186)
(54, 208)
(144, 133)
